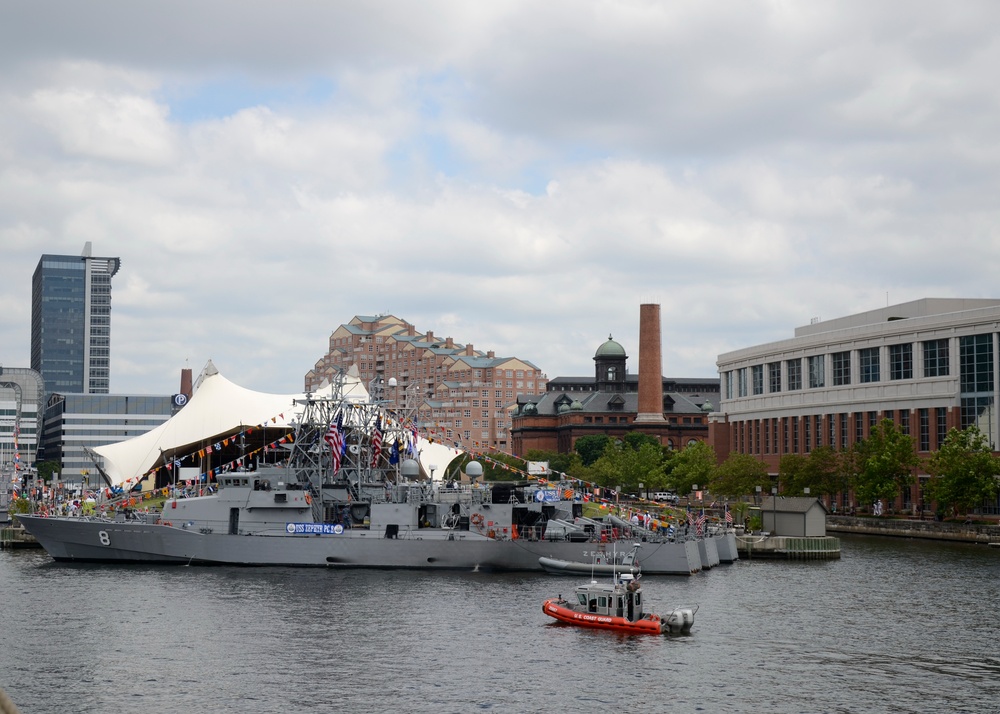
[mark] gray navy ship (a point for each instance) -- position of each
(337, 501)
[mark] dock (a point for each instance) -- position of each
(11, 537)
(777, 547)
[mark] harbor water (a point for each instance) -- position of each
(893, 626)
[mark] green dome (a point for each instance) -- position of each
(610, 349)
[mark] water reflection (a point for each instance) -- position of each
(901, 626)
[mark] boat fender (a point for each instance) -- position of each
(168, 523)
(477, 519)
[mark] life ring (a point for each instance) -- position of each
(477, 519)
(309, 498)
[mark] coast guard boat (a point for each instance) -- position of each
(617, 605)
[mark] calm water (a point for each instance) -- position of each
(895, 626)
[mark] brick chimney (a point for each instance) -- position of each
(186, 382)
(650, 366)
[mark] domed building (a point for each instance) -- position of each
(614, 402)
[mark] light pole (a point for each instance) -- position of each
(774, 509)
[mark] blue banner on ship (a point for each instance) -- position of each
(315, 528)
(547, 494)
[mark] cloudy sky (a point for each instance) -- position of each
(519, 175)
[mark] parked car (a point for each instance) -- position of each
(666, 497)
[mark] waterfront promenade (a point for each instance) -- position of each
(911, 528)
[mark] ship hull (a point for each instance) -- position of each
(84, 540)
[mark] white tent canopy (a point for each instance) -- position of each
(219, 408)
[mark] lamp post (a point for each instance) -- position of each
(774, 509)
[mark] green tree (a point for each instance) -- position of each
(635, 439)
(885, 463)
(591, 448)
(793, 473)
(694, 464)
(46, 470)
(621, 465)
(739, 475)
(827, 468)
(963, 471)
(819, 472)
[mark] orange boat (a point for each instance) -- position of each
(617, 605)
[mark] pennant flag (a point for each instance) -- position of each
(394, 454)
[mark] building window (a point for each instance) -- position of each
(729, 384)
(843, 431)
(859, 427)
(936, 358)
(784, 429)
(901, 361)
(795, 435)
(925, 430)
(904, 421)
(794, 374)
(872, 421)
(975, 357)
(774, 377)
(741, 380)
(807, 432)
(757, 378)
(978, 412)
(942, 425)
(817, 371)
(841, 368)
(868, 364)
(767, 436)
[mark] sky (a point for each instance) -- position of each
(516, 175)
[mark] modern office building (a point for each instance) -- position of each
(71, 322)
(614, 402)
(927, 365)
(22, 401)
(75, 423)
(461, 393)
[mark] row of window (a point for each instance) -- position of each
(800, 435)
(864, 366)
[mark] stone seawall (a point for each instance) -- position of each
(903, 528)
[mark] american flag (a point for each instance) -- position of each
(729, 518)
(690, 517)
(700, 523)
(335, 438)
(376, 443)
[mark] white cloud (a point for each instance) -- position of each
(519, 176)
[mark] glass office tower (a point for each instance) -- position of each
(71, 322)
